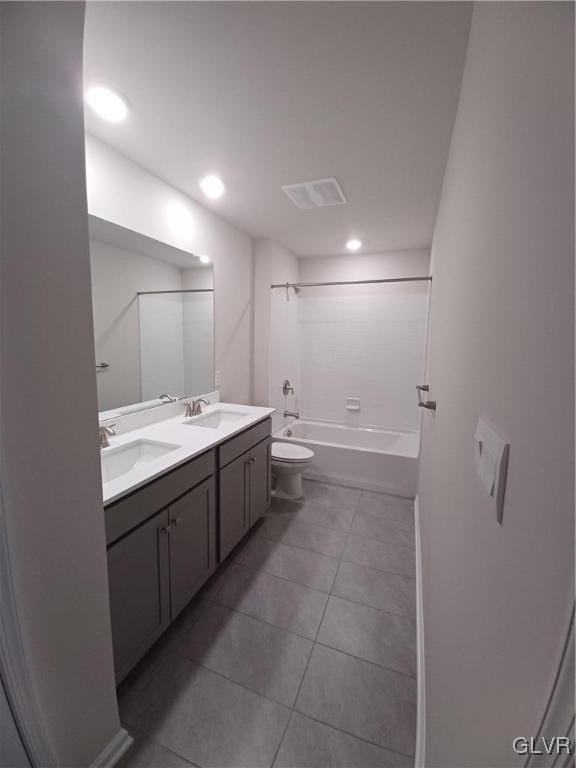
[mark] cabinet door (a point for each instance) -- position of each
(234, 504)
(260, 480)
(138, 577)
(192, 543)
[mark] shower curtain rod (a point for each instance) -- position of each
(427, 278)
(184, 290)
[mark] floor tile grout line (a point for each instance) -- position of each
(348, 733)
(282, 578)
(262, 570)
(175, 652)
(263, 535)
(294, 546)
(380, 570)
(373, 608)
(284, 732)
(263, 621)
(140, 733)
(306, 522)
(173, 751)
(306, 549)
(323, 507)
(380, 541)
(361, 658)
(406, 525)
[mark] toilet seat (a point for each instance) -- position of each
(291, 453)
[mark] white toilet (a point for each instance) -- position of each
(289, 460)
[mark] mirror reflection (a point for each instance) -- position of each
(153, 309)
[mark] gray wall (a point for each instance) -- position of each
(121, 192)
(495, 598)
(49, 462)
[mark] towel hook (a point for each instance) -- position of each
(430, 404)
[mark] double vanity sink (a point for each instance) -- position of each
(179, 495)
(138, 456)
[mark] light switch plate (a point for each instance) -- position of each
(491, 461)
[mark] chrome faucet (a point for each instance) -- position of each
(168, 398)
(294, 414)
(195, 407)
(105, 433)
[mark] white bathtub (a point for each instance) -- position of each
(375, 459)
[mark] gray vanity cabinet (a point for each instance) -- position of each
(138, 577)
(192, 543)
(234, 504)
(162, 537)
(260, 480)
(245, 485)
(161, 549)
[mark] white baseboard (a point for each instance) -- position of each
(114, 750)
(421, 683)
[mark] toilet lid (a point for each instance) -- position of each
(291, 452)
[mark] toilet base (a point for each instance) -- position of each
(289, 486)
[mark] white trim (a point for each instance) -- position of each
(114, 750)
(421, 678)
(14, 669)
(558, 716)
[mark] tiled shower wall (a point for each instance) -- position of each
(283, 352)
(354, 341)
(363, 342)
(176, 343)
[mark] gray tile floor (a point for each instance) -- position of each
(299, 653)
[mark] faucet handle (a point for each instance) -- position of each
(105, 431)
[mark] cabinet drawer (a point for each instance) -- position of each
(128, 512)
(241, 443)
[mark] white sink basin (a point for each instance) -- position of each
(126, 458)
(216, 419)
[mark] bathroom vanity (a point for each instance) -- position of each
(165, 535)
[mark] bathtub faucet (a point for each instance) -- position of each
(294, 414)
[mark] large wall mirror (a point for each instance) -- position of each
(153, 319)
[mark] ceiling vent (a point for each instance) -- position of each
(315, 194)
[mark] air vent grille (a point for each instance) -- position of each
(315, 194)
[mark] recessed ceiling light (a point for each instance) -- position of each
(204, 259)
(106, 103)
(354, 245)
(212, 186)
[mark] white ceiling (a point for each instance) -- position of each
(268, 94)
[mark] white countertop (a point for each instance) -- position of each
(193, 440)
